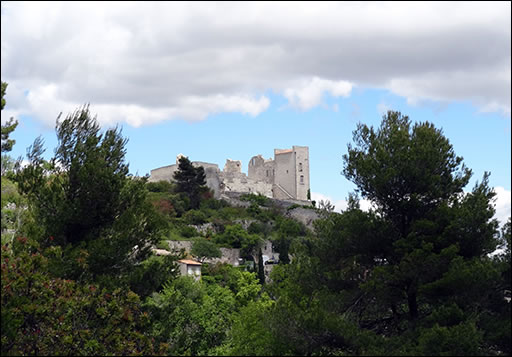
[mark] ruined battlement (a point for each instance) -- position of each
(285, 177)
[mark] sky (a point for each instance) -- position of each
(221, 80)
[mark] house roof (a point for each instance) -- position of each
(189, 262)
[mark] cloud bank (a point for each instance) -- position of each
(145, 62)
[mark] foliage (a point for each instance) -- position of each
(326, 206)
(260, 228)
(195, 217)
(204, 249)
(42, 315)
(415, 180)
(235, 236)
(250, 334)
(88, 200)
(160, 186)
(410, 277)
(150, 276)
(190, 316)
(258, 199)
(287, 230)
(164, 207)
(8, 128)
(190, 180)
(242, 283)
(188, 232)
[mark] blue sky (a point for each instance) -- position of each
(217, 81)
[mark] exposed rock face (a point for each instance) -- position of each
(304, 215)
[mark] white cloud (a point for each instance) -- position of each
(309, 93)
(502, 204)
(144, 62)
(340, 205)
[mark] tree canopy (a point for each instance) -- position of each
(190, 180)
(84, 196)
(203, 249)
(413, 275)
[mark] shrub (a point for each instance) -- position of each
(189, 232)
(160, 186)
(258, 199)
(195, 217)
(42, 315)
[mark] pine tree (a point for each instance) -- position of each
(9, 127)
(190, 180)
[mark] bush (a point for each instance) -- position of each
(195, 217)
(235, 236)
(203, 248)
(214, 204)
(150, 276)
(258, 199)
(42, 315)
(165, 207)
(163, 245)
(189, 232)
(257, 228)
(160, 186)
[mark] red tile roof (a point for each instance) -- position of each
(189, 262)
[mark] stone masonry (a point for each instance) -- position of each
(285, 177)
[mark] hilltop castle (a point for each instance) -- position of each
(285, 177)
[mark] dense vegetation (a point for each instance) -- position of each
(413, 276)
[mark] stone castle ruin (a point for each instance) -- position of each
(285, 177)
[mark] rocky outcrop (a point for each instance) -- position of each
(304, 215)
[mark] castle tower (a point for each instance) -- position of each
(291, 180)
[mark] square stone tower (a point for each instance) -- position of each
(291, 180)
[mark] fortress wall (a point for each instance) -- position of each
(163, 173)
(261, 169)
(286, 177)
(234, 166)
(206, 165)
(246, 185)
(213, 181)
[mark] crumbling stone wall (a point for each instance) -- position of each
(285, 177)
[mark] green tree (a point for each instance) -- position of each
(203, 249)
(250, 334)
(413, 177)
(191, 317)
(288, 229)
(412, 275)
(234, 236)
(83, 198)
(190, 180)
(8, 128)
(150, 276)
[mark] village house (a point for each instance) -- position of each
(191, 268)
